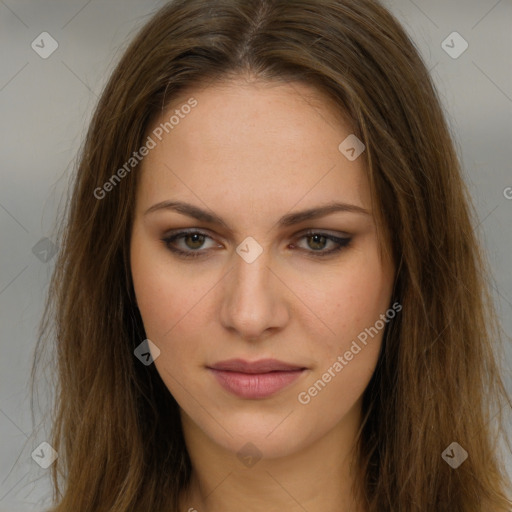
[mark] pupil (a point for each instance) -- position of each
(196, 239)
(316, 239)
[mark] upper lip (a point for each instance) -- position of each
(261, 366)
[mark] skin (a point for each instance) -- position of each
(252, 152)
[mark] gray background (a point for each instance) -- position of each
(47, 103)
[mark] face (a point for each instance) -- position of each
(226, 266)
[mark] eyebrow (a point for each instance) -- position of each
(286, 220)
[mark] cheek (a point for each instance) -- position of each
(344, 303)
(346, 360)
(165, 296)
(170, 306)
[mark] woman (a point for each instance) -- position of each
(269, 294)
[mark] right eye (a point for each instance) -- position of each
(194, 240)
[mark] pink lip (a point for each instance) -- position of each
(258, 379)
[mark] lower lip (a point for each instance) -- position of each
(255, 385)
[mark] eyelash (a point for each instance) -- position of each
(342, 243)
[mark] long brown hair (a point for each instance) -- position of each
(116, 426)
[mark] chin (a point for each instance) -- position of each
(273, 438)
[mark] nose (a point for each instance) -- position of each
(254, 300)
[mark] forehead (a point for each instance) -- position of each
(251, 144)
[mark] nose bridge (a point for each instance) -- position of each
(249, 280)
(251, 303)
(251, 265)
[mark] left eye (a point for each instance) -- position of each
(318, 241)
(194, 240)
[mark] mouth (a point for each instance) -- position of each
(255, 380)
